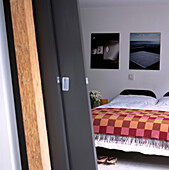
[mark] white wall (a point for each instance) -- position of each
(9, 147)
(125, 20)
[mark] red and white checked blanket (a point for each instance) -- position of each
(131, 122)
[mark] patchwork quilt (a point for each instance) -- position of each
(131, 122)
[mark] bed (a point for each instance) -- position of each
(133, 121)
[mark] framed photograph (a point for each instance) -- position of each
(105, 50)
(145, 51)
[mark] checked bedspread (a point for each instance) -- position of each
(131, 122)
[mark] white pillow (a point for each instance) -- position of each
(133, 100)
(164, 101)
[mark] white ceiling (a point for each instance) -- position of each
(104, 3)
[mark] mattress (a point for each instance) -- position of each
(134, 144)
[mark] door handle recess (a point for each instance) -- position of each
(65, 83)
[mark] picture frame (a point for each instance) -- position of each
(105, 50)
(145, 51)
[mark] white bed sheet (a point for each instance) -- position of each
(129, 144)
(145, 107)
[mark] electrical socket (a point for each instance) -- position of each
(131, 77)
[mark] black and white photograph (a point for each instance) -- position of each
(105, 50)
(145, 51)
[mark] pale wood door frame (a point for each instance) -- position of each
(29, 82)
(30, 85)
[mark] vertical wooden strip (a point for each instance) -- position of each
(30, 85)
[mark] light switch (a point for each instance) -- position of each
(131, 77)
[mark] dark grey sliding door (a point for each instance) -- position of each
(68, 113)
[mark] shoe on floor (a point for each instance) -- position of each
(111, 160)
(102, 159)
